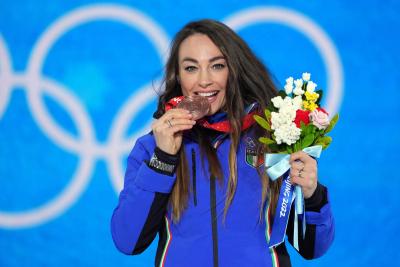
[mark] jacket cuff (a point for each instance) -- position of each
(166, 157)
(318, 199)
(152, 181)
(163, 162)
(323, 217)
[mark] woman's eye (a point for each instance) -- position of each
(190, 68)
(218, 66)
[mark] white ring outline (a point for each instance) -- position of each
(312, 31)
(5, 76)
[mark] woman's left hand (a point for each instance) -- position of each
(303, 172)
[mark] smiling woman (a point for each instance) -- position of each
(203, 70)
(171, 187)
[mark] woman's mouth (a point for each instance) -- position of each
(211, 96)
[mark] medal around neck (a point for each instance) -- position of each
(197, 105)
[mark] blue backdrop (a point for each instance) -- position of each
(77, 86)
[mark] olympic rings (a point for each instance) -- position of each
(117, 145)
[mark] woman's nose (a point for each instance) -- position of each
(205, 79)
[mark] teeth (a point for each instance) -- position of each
(208, 94)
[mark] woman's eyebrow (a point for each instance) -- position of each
(195, 61)
(216, 58)
(189, 59)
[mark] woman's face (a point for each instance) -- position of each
(203, 70)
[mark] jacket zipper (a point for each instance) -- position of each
(213, 207)
(214, 228)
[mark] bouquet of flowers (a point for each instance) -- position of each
(293, 121)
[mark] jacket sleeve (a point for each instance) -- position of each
(142, 203)
(320, 227)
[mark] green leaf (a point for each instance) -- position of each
(332, 123)
(318, 134)
(297, 146)
(307, 141)
(274, 148)
(309, 128)
(267, 114)
(289, 150)
(262, 122)
(270, 106)
(266, 140)
(302, 126)
(302, 130)
(304, 86)
(314, 128)
(324, 141)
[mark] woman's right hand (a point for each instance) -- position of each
(168, 129)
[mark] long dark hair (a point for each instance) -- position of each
(248, 82)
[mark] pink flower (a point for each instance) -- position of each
(319, 118)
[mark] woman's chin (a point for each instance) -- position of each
(212, 111)
(215, 108)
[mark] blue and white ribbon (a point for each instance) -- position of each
(277, 165)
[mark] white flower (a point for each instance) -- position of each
(306, 76)
(275, 120)
(289, 85)
(287, 101)
(285, 129)
(298, 83)
(287, 115)
(277, 101)
(288, 134)
(298, 91)
(297, 102)
(311, 86)
(283, 117)
(288, 88)
(289, 80)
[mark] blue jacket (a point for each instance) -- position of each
(201, 238)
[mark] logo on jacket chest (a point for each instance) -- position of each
(252, 158)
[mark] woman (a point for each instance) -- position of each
(195, 183)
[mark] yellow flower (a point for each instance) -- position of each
(309, 105)
(311, 96)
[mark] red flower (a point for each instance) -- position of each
(302, 115)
